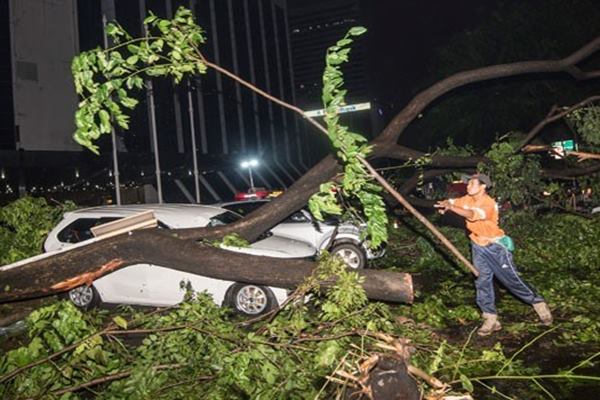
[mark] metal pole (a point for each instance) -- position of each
(150, 96)
(152, 117)
(194, 150)
(251, 180)
(115, 153)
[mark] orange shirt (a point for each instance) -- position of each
(484, 225)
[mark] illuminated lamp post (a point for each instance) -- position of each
(253, 163)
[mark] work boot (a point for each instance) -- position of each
(490, 324)
(543, 311)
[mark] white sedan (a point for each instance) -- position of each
(344, 239)
(153, 285)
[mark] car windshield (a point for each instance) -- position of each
(223, 219)
(244, 208)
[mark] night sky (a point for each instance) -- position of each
(403, 35)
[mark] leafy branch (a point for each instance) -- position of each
(350, 148)
(103, 77)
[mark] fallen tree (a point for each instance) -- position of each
(81, 265)
(179, 249)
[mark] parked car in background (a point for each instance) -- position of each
(344, 239)
(153, 285)
(256, 193)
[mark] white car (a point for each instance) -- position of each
(341, 238)
(153, 285)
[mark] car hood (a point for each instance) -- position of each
(278, 247)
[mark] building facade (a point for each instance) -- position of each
(227, 122)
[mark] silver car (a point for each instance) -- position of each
(344, 239)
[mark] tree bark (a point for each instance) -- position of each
(81, 265)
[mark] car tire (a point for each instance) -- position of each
(84, 297)
(352, 255)
(250, 300)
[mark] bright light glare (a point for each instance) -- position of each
(249, 164)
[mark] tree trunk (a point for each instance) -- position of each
(81, 265)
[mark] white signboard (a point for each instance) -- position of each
(340, 110)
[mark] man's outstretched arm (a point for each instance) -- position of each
(446, 205)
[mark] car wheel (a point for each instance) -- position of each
(250, 300)
(84, 297)
(351, 254)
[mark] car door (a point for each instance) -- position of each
(167, 286)
(126, 285)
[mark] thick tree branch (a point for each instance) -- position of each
(581, 155)
(41, 277)
(552, 116)
(570, 173)
(567, 65)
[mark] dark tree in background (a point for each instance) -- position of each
(495, 34)
(538, 29)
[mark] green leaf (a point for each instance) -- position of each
(150, 19)
(132, 60)
(120, 321)
(133, 48)
(357, 30)
(328, 354)
(158, 44)
(128, 102)
(104, 121)
(466, 383)
(164, 25)
(111, 29)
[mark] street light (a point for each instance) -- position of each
(253, 163)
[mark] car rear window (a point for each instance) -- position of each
(81, 229)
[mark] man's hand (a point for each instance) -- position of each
(442, 206)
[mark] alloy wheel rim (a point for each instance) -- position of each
(350, 257)
(81, 296)
(251, 299)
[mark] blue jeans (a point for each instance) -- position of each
(495, 261)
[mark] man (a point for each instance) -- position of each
(490, 257)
